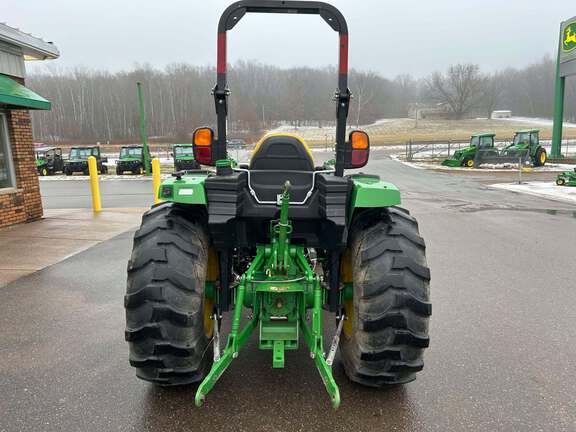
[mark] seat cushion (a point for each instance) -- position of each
(282, 153)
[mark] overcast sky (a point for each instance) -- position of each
(390, 37)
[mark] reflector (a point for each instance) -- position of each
(359, 140)
(203, 137)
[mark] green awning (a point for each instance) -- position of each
(16, 96)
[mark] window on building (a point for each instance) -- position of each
(6, 167)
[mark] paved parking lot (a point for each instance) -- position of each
(503, 334)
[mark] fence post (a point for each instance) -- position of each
(156, 179)
(94, 184)
(449, 142)
(410, 149)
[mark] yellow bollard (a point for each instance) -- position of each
(94, 184)
(156, 179)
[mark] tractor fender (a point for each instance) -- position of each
(371, 192)
(184, 190)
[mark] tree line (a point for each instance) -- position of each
(102, 106)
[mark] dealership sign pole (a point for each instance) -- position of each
(565, 66)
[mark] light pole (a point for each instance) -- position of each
(143, 134)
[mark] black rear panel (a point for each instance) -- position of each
(237, 220)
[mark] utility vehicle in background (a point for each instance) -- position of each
(49, 160)
(78, 160)
(184, 157)
(131, 160)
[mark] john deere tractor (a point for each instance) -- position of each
(526, 145)
(274, 246)
(466, 157)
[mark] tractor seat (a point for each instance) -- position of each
(278, 158)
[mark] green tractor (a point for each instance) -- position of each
(466, 157)
(567, 178)
(277, 245)
(131, 159)
(49, 160)
(526, 145)
(184, 157)
(78, 160)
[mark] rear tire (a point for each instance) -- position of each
(540, 158)
(387, 331)
(165, 317)
(119, 171)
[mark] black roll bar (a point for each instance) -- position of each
(234, 13)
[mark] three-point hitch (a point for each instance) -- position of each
(280, 286)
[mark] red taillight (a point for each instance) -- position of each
(359, 158)
(203, 155)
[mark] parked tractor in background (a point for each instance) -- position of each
(278, 244)
(466, 157)
(78, 160)
(567, 178)
(184, 157)
(49, 160)
(526, 146)
(132, 160)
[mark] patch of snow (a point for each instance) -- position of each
(542, 189)
(102, 177)
(534, 121)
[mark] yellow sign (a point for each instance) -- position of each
(569, 37)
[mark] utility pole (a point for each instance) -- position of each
(143, 134)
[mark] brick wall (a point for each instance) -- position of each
(23, 204)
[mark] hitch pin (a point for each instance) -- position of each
(216, 339)
(335, 341)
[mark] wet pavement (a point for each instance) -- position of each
(27, 248)
(503, 335)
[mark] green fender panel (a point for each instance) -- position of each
(188, 190)
(370, 191)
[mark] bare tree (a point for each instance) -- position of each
(492, 89)
(364, 92)
(460, 88)
(89, 106)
